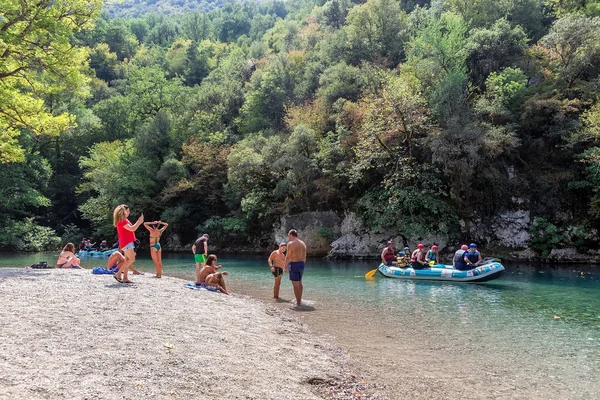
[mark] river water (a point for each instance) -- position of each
(533, 333)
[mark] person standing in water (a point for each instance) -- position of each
(200, 250)
(156, 230)
(276, 262)
(295, 259)
(125, 231)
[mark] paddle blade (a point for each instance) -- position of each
(431, 263)
(370, 273)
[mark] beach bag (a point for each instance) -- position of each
(40, 265)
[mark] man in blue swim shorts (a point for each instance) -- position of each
(295, 259)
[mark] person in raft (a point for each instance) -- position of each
(402, 259)
(116, 259)
(472, 257)
(89, 246)
(103, 245)
(209, 268)
(417, 260)
(295, 259)
(216, 282)
(458, 261)
(67, 258)
(432, 254)
(387, 255)
(276, 262)
(125, 232)
(200, 250)
(156, 230)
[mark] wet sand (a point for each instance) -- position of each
(70, 334)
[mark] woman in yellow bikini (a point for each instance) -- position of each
(156, 230)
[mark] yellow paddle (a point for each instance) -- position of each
(371, 273)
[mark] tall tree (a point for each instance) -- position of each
(37, 58)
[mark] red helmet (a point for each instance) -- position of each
(420, 246)
(464, 247)
(434, 247)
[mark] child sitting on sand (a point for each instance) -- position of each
(209, 268)
(67, 258)
(115, 260)
(216, 282)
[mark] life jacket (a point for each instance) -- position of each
(431, 256)
(415, 256)
(459, 256)
(389, 254)
(473, 257)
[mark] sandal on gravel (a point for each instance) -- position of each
(127, 281)
(117, 278)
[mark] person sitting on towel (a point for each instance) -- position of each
(210, 268)
(67, 258)
(216, 282)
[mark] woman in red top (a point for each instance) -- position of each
(125, 231)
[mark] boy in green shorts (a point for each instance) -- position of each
(200, 250)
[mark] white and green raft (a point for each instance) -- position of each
(440, 272)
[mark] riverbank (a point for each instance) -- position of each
(71, 334)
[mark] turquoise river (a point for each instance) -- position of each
(533, 333)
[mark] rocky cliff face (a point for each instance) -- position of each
(316, 229)
(505, 235)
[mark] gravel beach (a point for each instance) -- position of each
(68, 334)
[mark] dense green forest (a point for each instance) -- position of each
(137, 8)
(416, 115)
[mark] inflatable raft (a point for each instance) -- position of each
(95, 253)
(440, 272)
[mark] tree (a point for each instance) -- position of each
(340, 81)
(334, 13)
(492, 49)
(377, 31)
(36, 59)
(114, 173)
(439, 48)
(574, 46)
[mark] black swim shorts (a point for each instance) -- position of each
(277, 272)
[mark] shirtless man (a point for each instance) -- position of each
(295, 259)
(215, 281)
(276, 262)
(210, 268)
